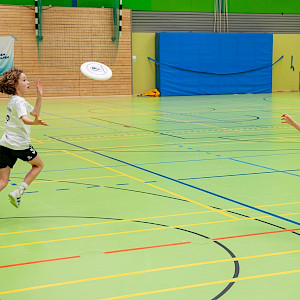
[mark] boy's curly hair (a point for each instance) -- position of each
(9, 81)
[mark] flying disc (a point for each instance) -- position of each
(96, 70)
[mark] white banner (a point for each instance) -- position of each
(6, 53)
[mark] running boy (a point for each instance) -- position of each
(15, 142)
(285, 118)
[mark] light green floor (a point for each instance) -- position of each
(180, 173)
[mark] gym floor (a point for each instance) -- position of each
(172, 198)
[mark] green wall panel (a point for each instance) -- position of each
(57, 2)
(97, 3)
(137, 4)
(234, 6)
(264, 6)
(63, 3)
(18, 2)
(202, 6)
(169, 5)
(182, 5)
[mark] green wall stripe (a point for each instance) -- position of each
(235, 6)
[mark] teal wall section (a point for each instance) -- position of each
(234, 6)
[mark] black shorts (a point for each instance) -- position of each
(8, 157)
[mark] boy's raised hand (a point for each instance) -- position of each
(38, 121)
(39, 88)
(286, 118)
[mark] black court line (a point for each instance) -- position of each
(180, 182)
(232, 255)
(130, 126)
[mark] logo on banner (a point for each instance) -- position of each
(4, 56)
(6, 53)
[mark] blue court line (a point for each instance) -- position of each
(233, 175)
(244, 162)
(180, 182)
(171, 162)
(84, 122)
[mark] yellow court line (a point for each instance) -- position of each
(149, 271)
(285, 139)
(113, 233)
(37, 141)
(206, 143)
(140, 136)
(74, 179)
(96, 105)
(148, 145)
(107, 222)
(172, 147)
(196, 123)
(113, 137)
(202, 284)
(150, 218)
(46, 153)
(163, 146)
(278, 204)
(135, 231)
(184, 121)
(152, 185)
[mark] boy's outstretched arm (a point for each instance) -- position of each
(286, 118)
(36, 121)
(38, 102)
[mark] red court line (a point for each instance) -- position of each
(252, 234)
(149, 247)
(39, 261)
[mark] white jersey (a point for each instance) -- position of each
(17, 134)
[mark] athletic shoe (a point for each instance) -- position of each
(15, 197)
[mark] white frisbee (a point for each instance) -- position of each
(96, 71)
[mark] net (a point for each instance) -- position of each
(70, 36)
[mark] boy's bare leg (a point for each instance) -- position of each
(4, 177)
(37, 166)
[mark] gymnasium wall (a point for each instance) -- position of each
(63, 82)
(284, 77)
